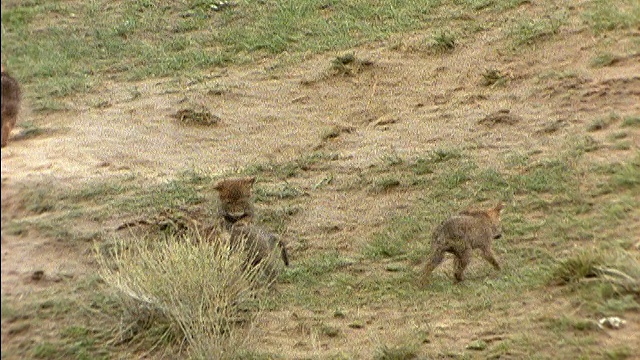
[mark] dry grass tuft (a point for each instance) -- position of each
(619, 270)
(200, 291)
(348, 64)
(201, 117)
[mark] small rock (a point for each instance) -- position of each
(611, 322)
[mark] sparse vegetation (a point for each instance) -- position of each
(603, 122)
(598, 124)
(443, 41)
(529, 32)
(604, 59)
(384, 184)
(627, 176)
(31, 130)
(334, 131)
(629, 121)
(348, 64)
(605, 15)
(402, 352)
(388, 141)
(622, 145)
(196, 117)
(131, 43)
(582, 266)
(493, 77)
(196, 288)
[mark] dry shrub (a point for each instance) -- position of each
(200, 291)
(200, 117)
(620, 269)
(348, 65)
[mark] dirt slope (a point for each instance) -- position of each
(405, 103)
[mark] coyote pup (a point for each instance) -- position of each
(237, 215)
(235, 201)
(11, 95)
(460, 234)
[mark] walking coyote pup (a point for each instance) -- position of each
(11, 95)
(460, 234)
(237, 215)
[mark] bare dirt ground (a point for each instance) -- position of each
(406, 103)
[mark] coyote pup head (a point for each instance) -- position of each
(493, 215)
(235, 199)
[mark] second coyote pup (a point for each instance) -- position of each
(11, 95)
(237, 216)
(460, 234)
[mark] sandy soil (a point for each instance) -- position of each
(406, 103)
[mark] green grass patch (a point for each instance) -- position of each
(565, 323)
(602, 15)
(397, 352)
(617, 136)
(315, 161)
(532, 31)
(631, 121)
(280, 192)
(139, 40)
(81, 314)
(398, 238)
(316, 268)
(619, 353)
(604, 60)
(545, 177)
(385, 184)
(443, 41)
(57, 211)
(603, 122)
(347, 64)
(628, 175)
(31, 130)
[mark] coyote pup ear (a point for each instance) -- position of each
(220, 185)
(250, 180)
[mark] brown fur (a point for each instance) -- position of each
(237, 214)
(11, 96)
(235, 201)
(460, 234)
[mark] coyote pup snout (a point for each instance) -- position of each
(460, 234)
